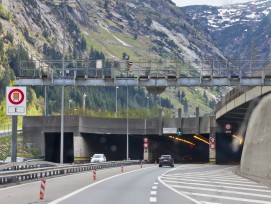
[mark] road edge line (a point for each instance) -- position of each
(93, 184)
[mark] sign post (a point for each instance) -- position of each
(15, 105)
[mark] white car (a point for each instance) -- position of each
(98, 158)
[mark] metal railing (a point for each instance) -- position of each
(146, 69)
(29, 174)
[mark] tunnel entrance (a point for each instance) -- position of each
(178, 149)
(52, 147)
(228, 150)
(114, 146)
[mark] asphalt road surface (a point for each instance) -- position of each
(189, 183)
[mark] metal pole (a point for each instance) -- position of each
(45, 100)
(117, 101)
(127, 116)
(84, 101)
(14, 139)
(62, 92)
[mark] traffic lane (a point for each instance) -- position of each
(131, 187)
(56, 187)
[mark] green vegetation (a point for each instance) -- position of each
(22, 149)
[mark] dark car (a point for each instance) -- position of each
(187, 159)
(166, 160)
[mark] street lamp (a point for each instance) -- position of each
(269, 37)
(70, 104)
(117, 101)
(84, 101)
(63, 77)
(148, 105)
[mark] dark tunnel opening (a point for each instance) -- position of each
(226, 152)
(52, 147)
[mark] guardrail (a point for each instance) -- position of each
(22, 175)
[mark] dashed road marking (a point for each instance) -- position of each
(153, 192)
(154, 187)
(153, 199)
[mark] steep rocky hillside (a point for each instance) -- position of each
(152, 29)
(242, 30)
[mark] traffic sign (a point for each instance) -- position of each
(15, 100)
(146, 145)
(228, 127)
(145, 140)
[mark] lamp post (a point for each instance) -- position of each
(117, 101)
(269, 37)
(127, 114)
(148, 105)
(84, 102)
(62, 92)
(63, 77)
(70, 104)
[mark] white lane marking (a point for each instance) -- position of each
(153, 199)
(218, 182)
(205, 202)
(219, 186)
(226, 197)
(156, 183)
(154, 187)
(93, 184)
(229, 180)
(221, 191)
(211, 177)
(178, 192)
(153, 192)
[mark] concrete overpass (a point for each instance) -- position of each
(87, 135)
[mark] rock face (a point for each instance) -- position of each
(256, 156)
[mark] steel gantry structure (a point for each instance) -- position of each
(145, 73)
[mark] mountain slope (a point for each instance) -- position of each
(239, 29)
(151, 29)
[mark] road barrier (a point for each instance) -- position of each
(42, 188)
(94, 174)
(29, 174)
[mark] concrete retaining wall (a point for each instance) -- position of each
(256, 156)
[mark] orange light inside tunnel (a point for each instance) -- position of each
(201, 139)
(238, 137)
(182, 140)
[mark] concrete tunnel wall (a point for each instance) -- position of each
(256, 156)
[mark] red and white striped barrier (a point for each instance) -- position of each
(42, 188)
(94, 174)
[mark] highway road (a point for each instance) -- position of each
(189, 183)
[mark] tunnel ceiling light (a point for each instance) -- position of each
(185, 141)
(201, 139)
(238, 137)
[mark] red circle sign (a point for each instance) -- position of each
(145, 140)
(146, 145)
(11, 100)
(227, 126)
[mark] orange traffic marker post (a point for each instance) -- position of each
(42, 188)
(94, 173)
